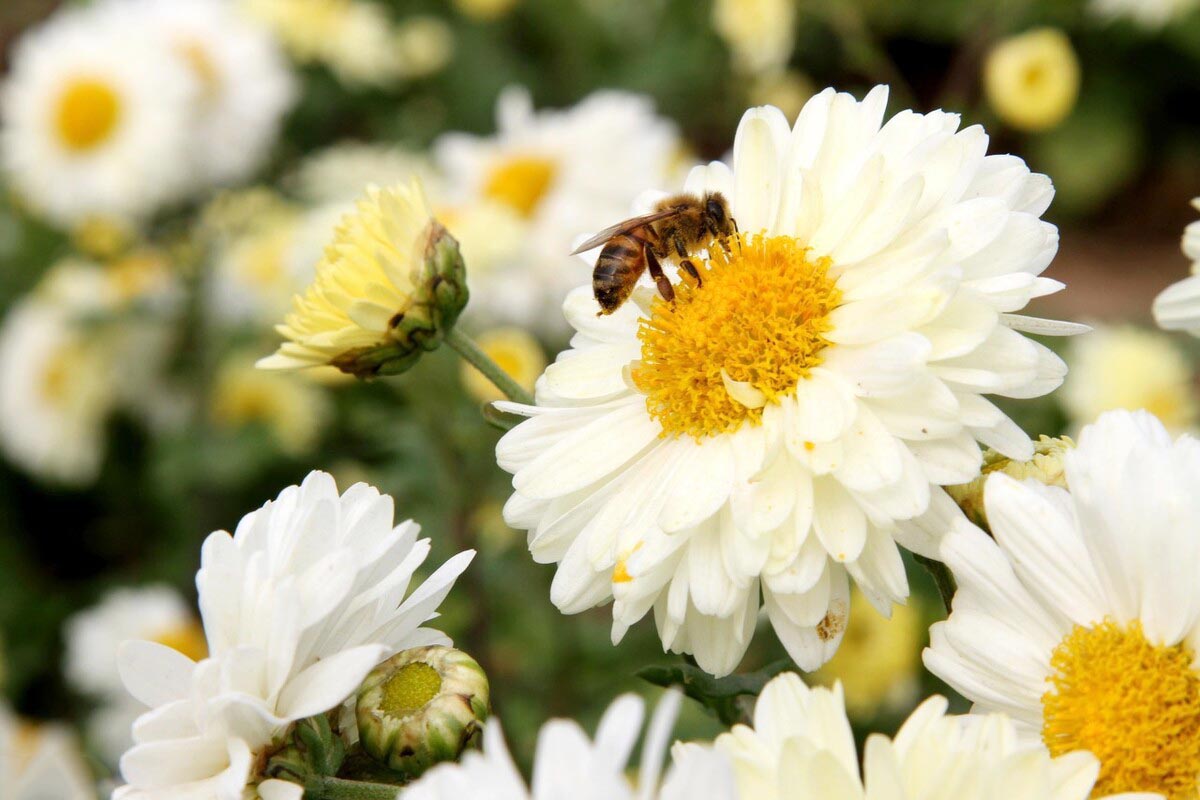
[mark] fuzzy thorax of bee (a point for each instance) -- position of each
(738, 338)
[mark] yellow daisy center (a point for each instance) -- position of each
(87, 113)
(187, 638)
(520, 182)
(410, 688)
(1134, 704)
(757, 318)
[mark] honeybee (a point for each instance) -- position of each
(678, 225)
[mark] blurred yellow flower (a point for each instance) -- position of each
(1032, 79)
(1129, 367)
(425, 45)
(483, 10)
(515, 351)
(1046, 467)
(100, 236)
(391, 284)
(760, 33)
(879, 659)
(788, 91)
(293, 410)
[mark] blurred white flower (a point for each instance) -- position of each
(1147, 13)
(1177, 308)
(299, 604)
(41, 763)
(760, 33)
(783, 426)
(290, 408)
(569, 766)
(1129, 367)
(1080, 619)
(801, 747)
(243, 84)
(157, 613)
(57, 386)
(342, 173)
(97, 117)
(551, 175)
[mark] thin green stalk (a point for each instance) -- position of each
(320, 788)
(466, 347)
(941, 577)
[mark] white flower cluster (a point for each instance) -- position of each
(122, 106)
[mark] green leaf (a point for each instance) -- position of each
(721, 696)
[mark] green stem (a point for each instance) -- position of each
(319, 788)
(466, 347)
(942, 578)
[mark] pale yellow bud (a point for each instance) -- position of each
(1046, 466)
(1032, 80)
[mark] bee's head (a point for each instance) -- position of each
(717, 211)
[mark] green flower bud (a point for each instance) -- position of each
(421, 707)
(1046, 466)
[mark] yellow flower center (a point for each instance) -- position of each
(520, 182)
(88, 112)
(410, 688)
(757, 318)
(1133, 704)
(187, 638)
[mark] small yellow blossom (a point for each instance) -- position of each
(292, 409)
(788, 91)
(102, 237)
(1032, 80)
(1131, 368)
(1046, 466)
(760, 33)
(390, 285)
(515, 351)
(879, 659)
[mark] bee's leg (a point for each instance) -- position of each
(687, 266)
(664, 284)
(680, 246)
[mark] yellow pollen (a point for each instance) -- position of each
(187, 638)
(621, 570)
(520, 182)
(1134, 704)
(88, 112)
(410, 688)
(759, 316)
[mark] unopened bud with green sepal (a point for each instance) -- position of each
(421, 707)
(1046, 466)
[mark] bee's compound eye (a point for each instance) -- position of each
(716, 210)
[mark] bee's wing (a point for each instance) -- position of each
(624, 227)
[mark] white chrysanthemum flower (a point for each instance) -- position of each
(96, 118)
(1124, 366)
(243, 83)
(56, 383)
(1177, 308)
(1147, 13)
(299, 604)
(802, 748)
(541, 168)
(1081, 619)
(783, 426)
(569, 766)
(341, 173)
(42, 763)
(92, 637)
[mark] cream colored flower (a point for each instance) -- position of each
(761, 33)
(879, 660)
(389, 286)
(294, 411)
(1046, 466)
(1147, 13)
(784, 426)
(96, 117)
(41, 763)
(519, 199)
(1177, 308)
(515, 351)
(801, 748)
(1032, 80)
(1131, 368)
(1080, 615)
(341, 173)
